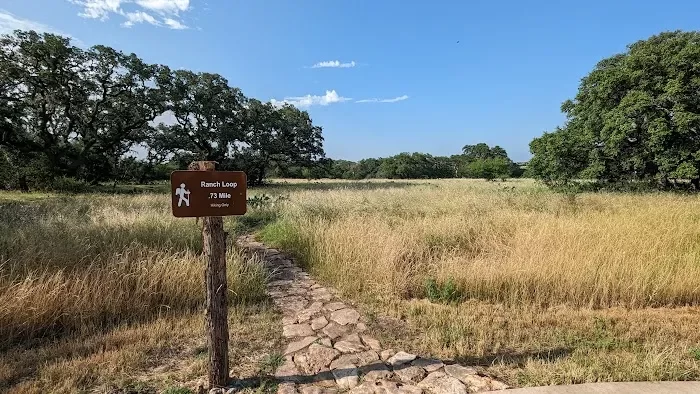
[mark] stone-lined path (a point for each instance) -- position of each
(329, 352)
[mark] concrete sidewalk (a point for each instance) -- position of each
(615, 388)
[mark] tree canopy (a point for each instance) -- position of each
(636, 117)
(67, 112)
(490, 163)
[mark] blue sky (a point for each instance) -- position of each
(406, 84)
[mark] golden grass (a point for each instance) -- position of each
(101, 292)
(150, 357)
(559, 289)
(522, 246)
(80, 272)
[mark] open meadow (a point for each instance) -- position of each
(541, 288)
(103, 292)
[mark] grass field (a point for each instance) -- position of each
(539, 287)
(104, 292)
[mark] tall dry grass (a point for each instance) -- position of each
(82, 264)
(513, 243)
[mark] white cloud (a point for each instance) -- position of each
(377, 100)
(330, 97)
(10, 23)
(165, 6)
(139, 17)
(98, 9)
(334, 64)
(174, 24)
(168, 11)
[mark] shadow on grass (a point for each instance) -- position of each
(516, 358)
(254, 220)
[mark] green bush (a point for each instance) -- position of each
(695, 353)
(67, 185)
(446, 292)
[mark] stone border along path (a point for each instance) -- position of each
(328, 351)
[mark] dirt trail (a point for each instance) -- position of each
(328, 350)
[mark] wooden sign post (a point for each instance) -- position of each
(203, 192)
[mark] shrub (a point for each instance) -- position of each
(446, 292)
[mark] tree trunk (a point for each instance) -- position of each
(214, 241)
(23, 186)
(261, 176)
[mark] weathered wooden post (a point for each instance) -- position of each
(203, 192)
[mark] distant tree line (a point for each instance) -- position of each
(634, 121)
(475, 161)
(73, 115)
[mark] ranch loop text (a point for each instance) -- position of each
(219, 184)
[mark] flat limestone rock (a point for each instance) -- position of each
(286, 388)
(458, 371)
(345, 316)
(334, 306)
(401, 358)
(476, 383)
(291, 304)
(297, 330)
(346, 377)
(496, 385)
(315, 359)
(321, 294)
(288, 371)
(309, 312)
(349, 346)
(410, 374)
(334, 330)
(371, 342)
(282, 282)
(429, 364)
(352, 337)
(300, 344)
(386, 354)
(357, 359)
(318, 323)
(441, 383)
(296, 291)
(310, 389)
(364, 388)
(375, 370)
(360, 327)
(468, 376)
(307, 283)
(326, 342)
(324, 378)
(384, 386)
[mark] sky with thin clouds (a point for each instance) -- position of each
(380, 77)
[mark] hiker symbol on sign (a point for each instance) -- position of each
(184, 195)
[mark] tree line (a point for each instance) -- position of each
(635, 120)
(72, 114)
(475, 161)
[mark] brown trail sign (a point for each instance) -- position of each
(208, 193)
(203, 192)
